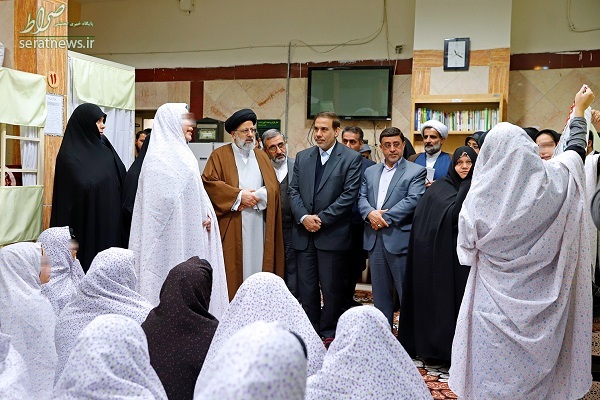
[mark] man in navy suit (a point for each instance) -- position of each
(323, 191)
(434, 133)
(388, 197)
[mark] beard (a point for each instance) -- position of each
(433, 148)
(278, 162)
(246, 147)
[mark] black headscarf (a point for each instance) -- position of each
(87, 185)
(130, 188)
(180, 329)
(435, 281)
(552, 133)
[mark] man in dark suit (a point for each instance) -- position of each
(323, 191)
(388, 197)
(274, 145)
(353, 138)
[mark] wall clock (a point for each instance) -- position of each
(456, 54)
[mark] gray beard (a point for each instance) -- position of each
(278, 163)
(431, 150)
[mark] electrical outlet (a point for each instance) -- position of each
(399, 49)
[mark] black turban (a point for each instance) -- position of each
(238, 118)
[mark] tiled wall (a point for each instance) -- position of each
(536, 98)
(542, 98)
(267, 97)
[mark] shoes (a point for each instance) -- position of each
(327, 342)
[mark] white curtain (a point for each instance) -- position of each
(120, 123)
(29, 154)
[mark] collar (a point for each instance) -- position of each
(328, 151)
(436, 155)
(385, 167)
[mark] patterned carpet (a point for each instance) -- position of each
(435, 376)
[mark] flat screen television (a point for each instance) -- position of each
(350, 92)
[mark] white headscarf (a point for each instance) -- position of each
(110, 361)
(14, 378)
(264, 297)
(261, 361)
(66, 272)
(524, 327)
(26, 314)
(366, 361)
(170, 206)
(108, 288)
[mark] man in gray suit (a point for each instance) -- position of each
(274, 145)
(323, 190)
(388, 197)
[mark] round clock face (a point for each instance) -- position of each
(457, 52)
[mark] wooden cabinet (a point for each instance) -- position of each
(463, 114)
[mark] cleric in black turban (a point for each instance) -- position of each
(238, 118)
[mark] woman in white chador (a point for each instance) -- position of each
(264, 297)
(66, 271)
(108, 288)
(366, 361)
(173, 218)
(525, 322)
(261, 361)
(14, 378)
(26, 314)
(110, 361)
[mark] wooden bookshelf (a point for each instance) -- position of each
(470, 105)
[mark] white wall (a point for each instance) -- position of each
(486, 22)
(540, 26)
(7, 36)
(155, 33)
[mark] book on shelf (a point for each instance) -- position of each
(467, 120)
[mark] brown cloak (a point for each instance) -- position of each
(221, 182)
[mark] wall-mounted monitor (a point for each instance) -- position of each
(350, 92)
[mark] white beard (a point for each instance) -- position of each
(246, 148)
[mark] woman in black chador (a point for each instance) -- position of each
(435, 281)
(88, 181)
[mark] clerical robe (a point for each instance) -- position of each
(222, 183)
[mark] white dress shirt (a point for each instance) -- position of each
(281, 170)
(384, 182)
(431, 159)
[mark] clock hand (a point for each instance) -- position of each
(457, 54)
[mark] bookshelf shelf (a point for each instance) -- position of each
(463, 114)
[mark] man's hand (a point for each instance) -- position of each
(428, 183)
(249, 199)
(312, 223)
(375, 217)
(596, 119)
(583, 99)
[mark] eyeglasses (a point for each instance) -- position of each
(390, 145)
(274, 147)
(247, 130)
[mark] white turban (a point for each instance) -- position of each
(437, 125)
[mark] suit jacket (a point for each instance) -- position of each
(333, 199)
(356, 218)
(441, 166)
(286, 211)
(406, 188)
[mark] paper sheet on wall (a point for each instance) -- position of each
(54, 120)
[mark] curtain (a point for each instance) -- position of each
(29, 155)
(120, 123)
